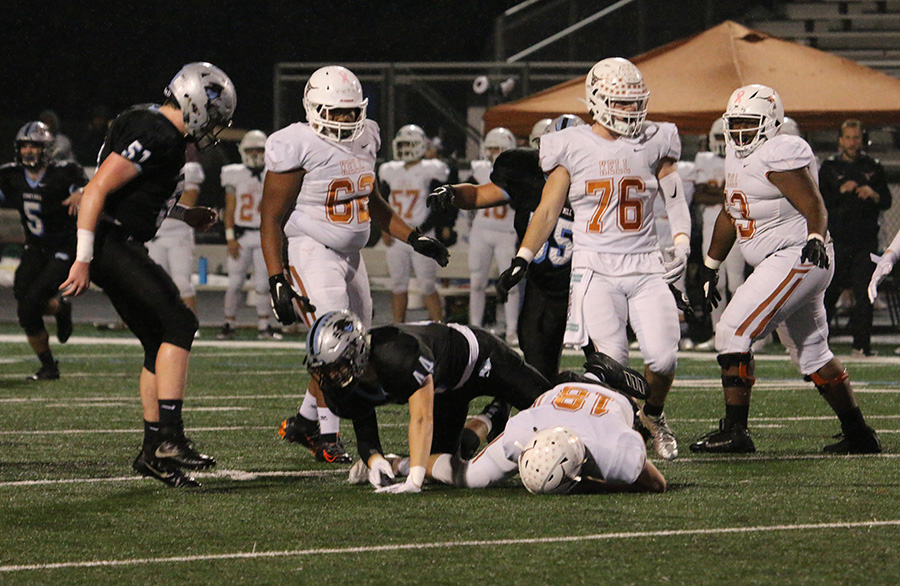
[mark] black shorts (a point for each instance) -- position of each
(40, 273)
(542, 325)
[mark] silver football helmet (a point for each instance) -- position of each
(39, 134)
(253, 149)
(755, 104)
(564, 121)
(716, 137)
(334, 88)
(617, 96)
(534, 139)
(496, 141)
(337, 349)
(551, 462)
(789, 126)
(207, 99)
(409, 144)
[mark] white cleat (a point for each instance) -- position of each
(663, 439)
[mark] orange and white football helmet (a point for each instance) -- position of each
(409, 144)
(253, 149)
(496, 141)
(758, 104)
(617, 96)
(334, 88)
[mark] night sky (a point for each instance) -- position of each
(71, 56)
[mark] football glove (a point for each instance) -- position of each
(710, 279)
(408, 486)
(676, 267)
(682, 303)
(814, 252)
(510, 278)
(427, 246)
(380, 474)
(884, 264)
(282, 300)
(441, 198)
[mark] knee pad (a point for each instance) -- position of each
(824, 385)
(742, 361)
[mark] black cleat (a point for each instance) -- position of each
(178, 452)
(497, 413)
(227, 332)
(731, 438)
(300, 430)
(63, 320)
(863, 442)
(621, 378)
(469, 442)
(147, 465)
(331, 452)
(46, 372)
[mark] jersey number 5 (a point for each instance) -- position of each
(342, 212)
(630, 214)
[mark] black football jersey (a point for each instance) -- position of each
(46, 220)
(144, 136)
(518, 173)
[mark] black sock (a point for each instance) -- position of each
(329, 437)
(151, 434)
(170, 423)
(852, 421)
(46, 358)
(738, 414)
(652, 410)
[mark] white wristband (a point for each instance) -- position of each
(84, 249)
(711, 263)
(815, 235)
(229, 234)
(526, 254)
(417, 475)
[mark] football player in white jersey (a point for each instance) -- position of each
(243, 184)
(709, 194)
(409, 178)
(173, 246)
(323, 172)
(611, 172)
(492, 237)
(596, 422)
(774, 210)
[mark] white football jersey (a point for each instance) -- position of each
(411, 185)
(247, 187)
(710, 169)
(178, 229)
(613, 183)
(333, 205)
(601, 417)
(764, 219)
(498, 218)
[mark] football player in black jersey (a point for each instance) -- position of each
(437, 369)
(46, 194)
(517, 179)
(136, 186)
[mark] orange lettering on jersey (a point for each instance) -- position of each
(739, 213)
(615, 167)
(354, 166)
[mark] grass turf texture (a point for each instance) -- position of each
(271, 515)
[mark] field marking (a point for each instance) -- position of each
(241, 475)
(132, 341)
(73, 400)
(453, 544)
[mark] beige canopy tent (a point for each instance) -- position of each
(690, 81)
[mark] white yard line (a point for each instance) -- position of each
(454, 544)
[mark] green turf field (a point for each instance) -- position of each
(71, 512)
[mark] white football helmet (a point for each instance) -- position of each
(610, 85)
(207, 99)
(334, 88)
(337, 350)
(534, 139)
(717, 137)
(496, 141)
(39, 134)
(789, 126)
(253, 149)
(409, 144)
(552, 461)
(754, 103)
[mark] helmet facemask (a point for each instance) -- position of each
(38, 135)
(551, 462)
(253, 149)
(333, 92)
(410, 143)
(207, 99)
(757, 110)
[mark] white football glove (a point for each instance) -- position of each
(883, 266)
(408, 486)
(676, 267)
(380, 474)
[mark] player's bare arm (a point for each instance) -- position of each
(649, 480)
(723, 238)
(553, 198)
(115, 172)
(800, 189)
(234, 249)
(385, 217)
(476, 197)
(421, 429)
(280, 191)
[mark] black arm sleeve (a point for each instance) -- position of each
(367, 440)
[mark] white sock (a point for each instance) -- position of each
(308, 409)
(262, 324)
(328, 421)
(441, 469)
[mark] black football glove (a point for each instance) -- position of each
(814, 252)
(282, 300)
(510, 278)
(682, 303)
(619, 377)
(427, 246)
(441, 198)
(710, 279)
